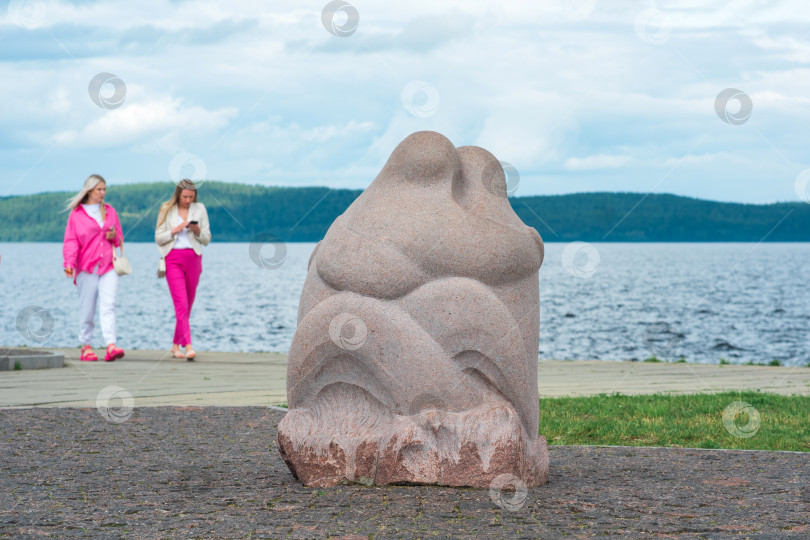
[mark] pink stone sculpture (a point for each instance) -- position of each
(415, 357)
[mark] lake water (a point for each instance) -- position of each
(704, 302)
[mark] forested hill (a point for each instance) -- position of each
(239, 212)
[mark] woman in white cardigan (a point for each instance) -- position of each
(182, 229)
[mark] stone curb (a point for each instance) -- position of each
(35, 361)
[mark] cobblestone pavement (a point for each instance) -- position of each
(178, 472)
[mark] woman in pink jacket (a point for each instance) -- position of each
(92, 233)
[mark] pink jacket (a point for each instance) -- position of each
(86, 244)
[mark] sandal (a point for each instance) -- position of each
(113, 352)
(177, 353)
(88, 355)
(191, 356)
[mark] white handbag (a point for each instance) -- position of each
(161, 268)
(121, 264)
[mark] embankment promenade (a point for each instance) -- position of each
(153, 378)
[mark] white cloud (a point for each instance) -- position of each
(791, 49)
(159, 117)
(703, 160)
(600, 161)
(324, 133)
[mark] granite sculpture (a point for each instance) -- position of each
(415, 356)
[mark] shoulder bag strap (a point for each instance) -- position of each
(113, 250)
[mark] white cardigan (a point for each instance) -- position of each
(163, 233)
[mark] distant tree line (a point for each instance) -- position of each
(239, 212)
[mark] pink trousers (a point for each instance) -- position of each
(183, 269)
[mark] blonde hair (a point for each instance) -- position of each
(81, 197)
(175, 198)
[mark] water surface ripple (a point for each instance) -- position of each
(739, 302)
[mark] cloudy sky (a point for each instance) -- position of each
(698, 98)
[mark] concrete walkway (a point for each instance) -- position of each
(152, 378)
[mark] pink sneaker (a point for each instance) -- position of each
(88, 355)
(113, 352)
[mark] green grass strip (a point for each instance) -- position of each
(768, 422)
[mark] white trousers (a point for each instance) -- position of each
(93, 287)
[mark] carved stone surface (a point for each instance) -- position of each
(415, 357)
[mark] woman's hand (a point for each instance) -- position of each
(195, 228)
(69, 272)
(111, 234)
(179, 228)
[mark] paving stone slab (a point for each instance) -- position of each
(216, 472)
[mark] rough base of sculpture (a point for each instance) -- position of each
(415, 356)
(348, 436)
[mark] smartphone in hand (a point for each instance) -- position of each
(195, 222)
